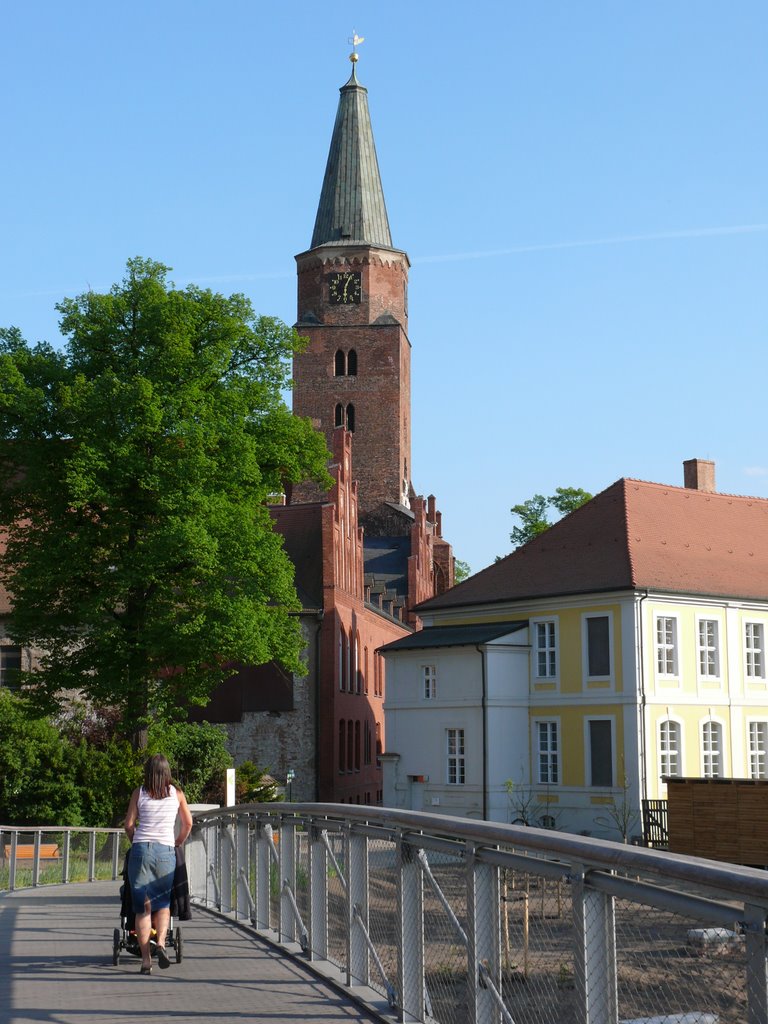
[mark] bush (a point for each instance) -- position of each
(36, 769)
(76, 772)
(197, 754)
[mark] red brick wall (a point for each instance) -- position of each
(381, 390)
(350, 779)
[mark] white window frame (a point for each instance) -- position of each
(670, 755)
(754, 654)
(585, 646)
(429, 682)
(588, 750)
(706, 647)
(550, 649)
(757, 752)
(667, 650)
(455, 756)
(709, 753)
(548, 754)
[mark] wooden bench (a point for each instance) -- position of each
(26, 851)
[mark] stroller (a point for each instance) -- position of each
(124, 938)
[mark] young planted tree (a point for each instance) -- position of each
(134, 469)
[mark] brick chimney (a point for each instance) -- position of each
(699, 475)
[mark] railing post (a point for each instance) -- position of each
(36, 860)
(65, 856)
(757, 990)
(358, 960)
(595, 966)
(115, 855)
(91, 856)
(287, 876)
(483, 939)
(318, 895)
(242, 865)
(410, 937)
(263, 865)
(12, 865)
(226, 850)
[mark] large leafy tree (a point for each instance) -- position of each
(534, 513)
(135, 466)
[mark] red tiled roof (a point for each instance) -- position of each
(635, 535)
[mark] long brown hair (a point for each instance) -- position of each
(157, 777)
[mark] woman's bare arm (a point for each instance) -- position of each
(131, 814)
(185, 816)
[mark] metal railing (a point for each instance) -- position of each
(451, 920)
(50, 855)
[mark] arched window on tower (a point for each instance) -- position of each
(339, 366)
(351, 363)
(351, 418)
(339, 417)
(342, 745)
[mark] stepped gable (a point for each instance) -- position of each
(634, 535)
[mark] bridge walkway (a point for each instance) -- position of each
(56, 968)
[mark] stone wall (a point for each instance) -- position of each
(283, 740)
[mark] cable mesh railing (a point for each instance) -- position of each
(449, 920)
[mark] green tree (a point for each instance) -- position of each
(197, 754)
(36, 769)
(533, 513)
(461, 571)
(134, 469)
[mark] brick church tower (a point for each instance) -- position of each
(353, 306)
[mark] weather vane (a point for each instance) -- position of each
(355, 40)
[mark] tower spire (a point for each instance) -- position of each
(352, 208)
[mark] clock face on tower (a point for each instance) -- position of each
(344, 288)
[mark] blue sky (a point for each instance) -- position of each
(582, 189)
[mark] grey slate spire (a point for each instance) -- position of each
(352, 207)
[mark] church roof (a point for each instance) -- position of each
(352, 208)
(634, 536)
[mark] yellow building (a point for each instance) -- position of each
(561, 685)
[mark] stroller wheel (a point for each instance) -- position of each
(177, 944)
(116, 947)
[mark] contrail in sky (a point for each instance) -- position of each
(456, 257)
(736, 229)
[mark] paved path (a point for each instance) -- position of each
(56, 968)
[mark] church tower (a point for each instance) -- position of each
(353, 307)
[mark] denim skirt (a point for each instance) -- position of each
(150, 875)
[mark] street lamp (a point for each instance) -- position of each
(289, 779)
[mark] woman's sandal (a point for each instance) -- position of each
(145, 970)
(162, 958)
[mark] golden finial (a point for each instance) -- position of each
(355, 40)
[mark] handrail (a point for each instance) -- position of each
(63, 865)
(610, 856)
(414, 908)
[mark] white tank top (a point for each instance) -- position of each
(157, 818)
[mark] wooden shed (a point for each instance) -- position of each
(723, 819)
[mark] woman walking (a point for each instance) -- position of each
(150, 825)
